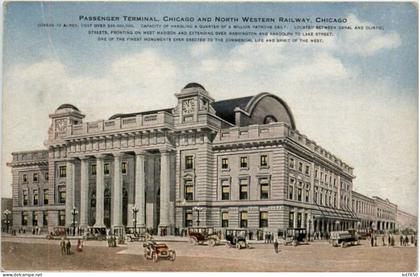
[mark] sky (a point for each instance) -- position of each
(356, 95)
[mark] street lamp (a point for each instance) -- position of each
(74, 212)
(6, 214)
(135, 211)
(198, 209)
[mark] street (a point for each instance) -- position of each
(45, 255)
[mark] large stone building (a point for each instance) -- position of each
(237, 163)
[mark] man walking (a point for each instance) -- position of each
(276, 246)
(68, 247)
(63, 246)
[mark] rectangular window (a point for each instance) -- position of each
(243, 189)
(61, 218)
(189, 191)
(106, 169)
(244, 162)
(188, 162)
(24, 178)
(244, 220)
(34, 219)
(25, 198)
(264, 190)
(263, 160)
(61, 195)
(124, 168)
(299, 194)
(225, 219)
(307, 196)
(62, 171)
(300, 167)
(46, 176)
(45, 196)
(45, 218)
(307, 170)
(24, 219)
(93, 169)
(35, 177)
(292, 163)
(188, 218)
(36, 197)
(263, 219)
(225, 191)
(291, 192)
(225, 163)
(291, 219)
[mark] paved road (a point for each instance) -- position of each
(43, 255)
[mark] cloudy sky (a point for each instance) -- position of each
(355, 94)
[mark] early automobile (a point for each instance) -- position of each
(95, 233)
(57, 233)
(236, 238)
(344, 238)
(156, 251)
(200, 235)
(295, 236)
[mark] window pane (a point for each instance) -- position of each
(264, 215)
(244, 188)
(225, 215)
(189, 189)
(244, 215)
(226, 189)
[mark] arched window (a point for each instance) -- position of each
(270, 119)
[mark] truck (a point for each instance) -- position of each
(344, 238)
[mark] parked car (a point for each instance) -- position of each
(95, 233)
(57, 233)
(155, 251)
(344, 238)
(200, 235)
(295, 236)
(236, 238)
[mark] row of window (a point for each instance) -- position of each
(35, 177)
(300, 166)
(35, 197)
(264, 189)
(299, 218)
(25, 220)
(298, 194)
(62, 172)
(243, 162)
(224, 216)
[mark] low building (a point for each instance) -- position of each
(406, 220)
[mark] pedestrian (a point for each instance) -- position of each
(276, 246)
(63, 246)
(406, 241)
(401, 240)
(265, 237)
(376, 242)
(79, 246)
(389, 240)
(250, 235)
(371, 241)
(392, 241)
(68, 247)
(412, 239)
(383, 240)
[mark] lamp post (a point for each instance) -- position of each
(135, 211)
(198, 209)
(74, 212)
(6, 214)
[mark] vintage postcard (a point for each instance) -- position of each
(210, 137)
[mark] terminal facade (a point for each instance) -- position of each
(237, 163)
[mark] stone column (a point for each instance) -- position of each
(117, 197)
(84, 191)
(295, 219)
(164, 190)
(69, 191)
(140, 196)
(99, 221)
